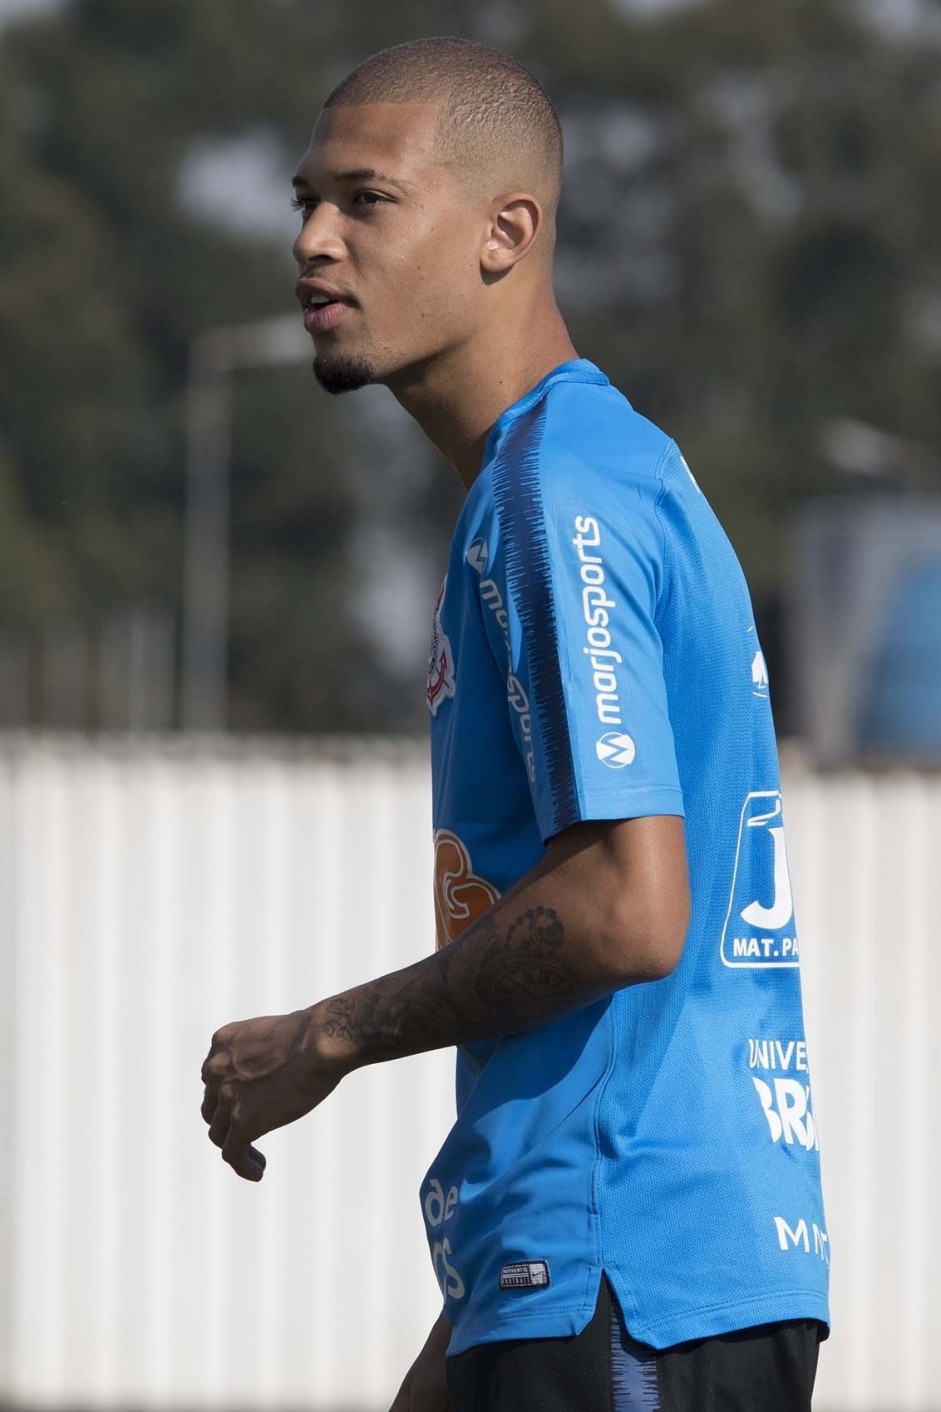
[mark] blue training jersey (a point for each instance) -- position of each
(594, 656)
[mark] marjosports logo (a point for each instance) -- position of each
(440, 660)
(478, 556)
(615, 750)
(597, 607)
(461, 897)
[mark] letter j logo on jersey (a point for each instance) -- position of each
(759, 927)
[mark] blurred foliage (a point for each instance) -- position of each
(748, 247)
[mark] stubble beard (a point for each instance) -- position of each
(338, 374)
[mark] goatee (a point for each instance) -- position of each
(342, 374)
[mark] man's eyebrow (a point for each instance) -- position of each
(362, 174)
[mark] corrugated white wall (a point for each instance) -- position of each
(150, 893)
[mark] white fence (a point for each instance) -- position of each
(150, 893)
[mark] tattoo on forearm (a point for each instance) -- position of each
(340, 1017)
(520, 971)
(495, 979)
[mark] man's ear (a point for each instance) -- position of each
(514, 225)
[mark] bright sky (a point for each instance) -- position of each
(895, 14)
(10, 8)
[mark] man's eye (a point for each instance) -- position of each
(308, 204)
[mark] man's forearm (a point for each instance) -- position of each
(508, 973)
(525, 963)
(607, 905)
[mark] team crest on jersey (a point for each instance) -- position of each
(440, 660)
(461, 895)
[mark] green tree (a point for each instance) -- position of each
(747, 246)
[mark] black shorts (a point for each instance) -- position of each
(770, 1368)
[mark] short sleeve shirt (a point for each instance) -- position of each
(594, 656)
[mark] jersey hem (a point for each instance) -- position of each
(616, 803)
(562, 1322)
(654, 794)
(708, 1322)
(713, 1319)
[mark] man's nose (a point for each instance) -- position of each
(319, 237)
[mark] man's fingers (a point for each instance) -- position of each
(244, 1159)
(214, 1065)
(212, 1074)
(220, 1124)
(241, 1156)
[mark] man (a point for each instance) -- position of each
(627, 1211)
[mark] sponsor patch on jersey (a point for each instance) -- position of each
(759, 928)
(440, 660)
(478, 556)
(615, 750)
(528, 1274)
(759, 675)
(597, 610)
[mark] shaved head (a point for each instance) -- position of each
(427, 198)
(496, 122)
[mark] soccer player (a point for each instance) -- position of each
(627, 1211)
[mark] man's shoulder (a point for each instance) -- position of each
(575, 448)
(600, 408)
(580, 467)
(585, 434)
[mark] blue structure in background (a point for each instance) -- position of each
(864, 628)
(901, 711)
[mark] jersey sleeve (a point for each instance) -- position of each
(578, 559)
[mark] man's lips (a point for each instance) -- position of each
(323, 305)
(320, 317)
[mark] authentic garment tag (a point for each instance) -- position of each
(528, 1274)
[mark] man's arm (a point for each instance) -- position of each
(607, 906)
(425, 1386)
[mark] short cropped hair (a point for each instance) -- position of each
(495, 114)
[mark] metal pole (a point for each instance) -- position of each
(213, 357)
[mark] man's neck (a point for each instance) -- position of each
(457, 401)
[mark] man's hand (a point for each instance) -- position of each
(259, 1075)
(425, 1388)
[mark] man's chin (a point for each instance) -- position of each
(337, 374)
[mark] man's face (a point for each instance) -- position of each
(392, 233)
